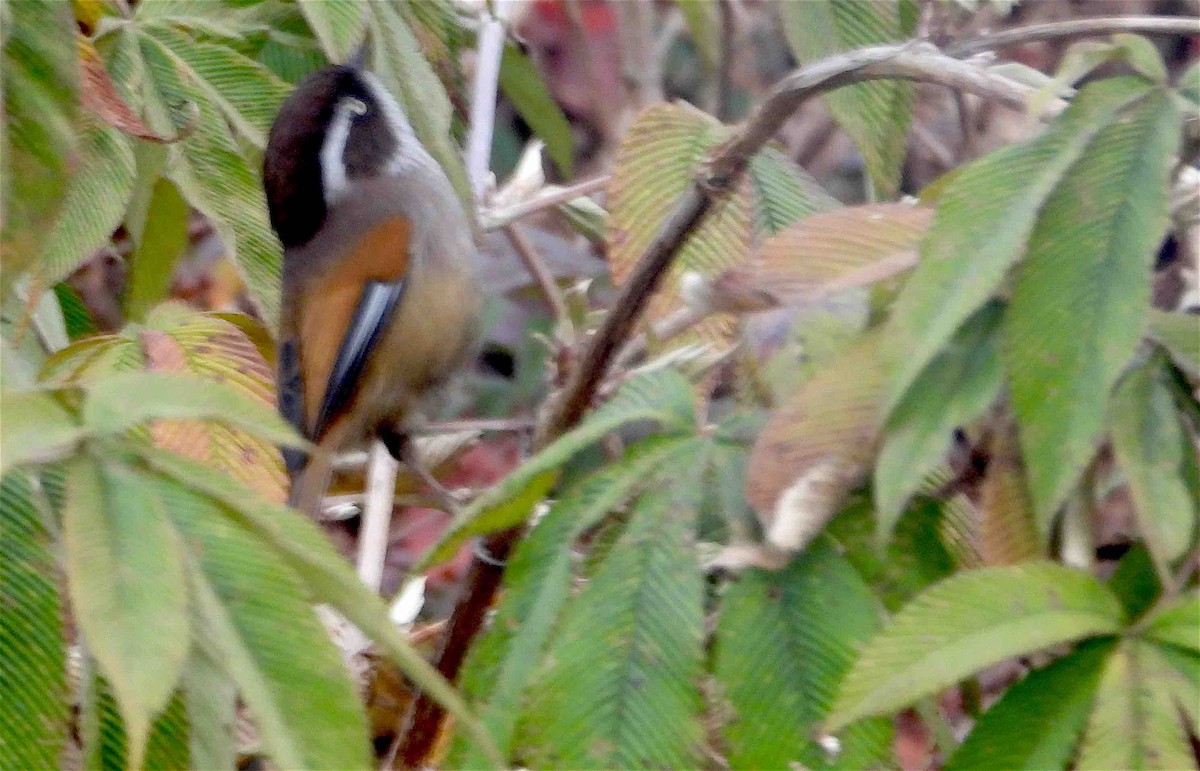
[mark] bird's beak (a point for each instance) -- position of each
(361, 58)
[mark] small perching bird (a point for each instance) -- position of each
(380, 297)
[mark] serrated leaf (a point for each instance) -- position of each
(248, 94)
(37, 128)
(109, 410)
(107, 747)
(783, 643)
(251, 612)
(1081, 293)
(875, 115)
(338, 24)
(125, 578)
(217, 347)
(1153, 449)
(956, 387)
(93, 205)
(211, 699)
(663, 396)
(1134, 721)
(158, 247)
(36, 428)
(982, 223)
(816, 446)
(620, 687)
(33, 678)
(1008, 533)
(970, 621)
(523, 85)
(1177, 623)
(405, 72)
(658, 159)
(783, 192)
(500, 664)
(1179, 335)
(842, 249)
(327, 576)
(213, 176)
(1059, 695)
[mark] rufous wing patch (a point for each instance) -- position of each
(328, 305)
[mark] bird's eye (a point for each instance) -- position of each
(356, 106)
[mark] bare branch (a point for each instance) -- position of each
(1142, 25)
(377, 515)
(483, 100)
(548, 197)
(538, 270)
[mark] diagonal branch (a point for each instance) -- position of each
(921, 62)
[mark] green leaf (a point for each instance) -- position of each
(109, 409)
(537, 582)
(620, 687)
(125, 577)
(1037, 722)
(94, 203)
(1135, 723)
(1177, 623)
(970, 621)
(211, 699)
(1081, 293)
(76, 317)
(406, 73)
(524, 87)
(248, 94)
(33, 677)
(252, 613)
(1141, 55)
(329, 579)
(211, 173)
(663, 396)
(966, 379)
(107, 746)
(783, 643)
(875, 115)
(783, 192)
(983, 220)
(36, 429)
(338, 24)
(1134, 581)
(40, 71)
(1179, 335)
(158, 248)
(1153, 450)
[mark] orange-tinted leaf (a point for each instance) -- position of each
(841, 249)
(100, 97)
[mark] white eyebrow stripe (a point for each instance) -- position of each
(409, 151)
(332, 156)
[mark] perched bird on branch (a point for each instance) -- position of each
(380, 299)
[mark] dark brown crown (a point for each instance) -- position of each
(292, 165)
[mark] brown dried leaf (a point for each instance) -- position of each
(1007, 529)
(842, 249)
(99, 96)
(818, 445)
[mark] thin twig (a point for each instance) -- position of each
(377, 515)
(494, 219)
(1143, 25)
(725, 65)
(966, 148)
(483, 100)
(540, 273)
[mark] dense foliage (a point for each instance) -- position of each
(746, 555)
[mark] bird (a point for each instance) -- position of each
(380, 299)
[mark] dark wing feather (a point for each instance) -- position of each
(376, 305)
(291, 400)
